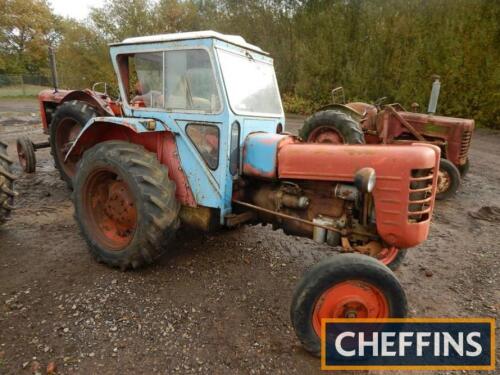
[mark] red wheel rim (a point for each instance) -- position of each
(444, 181)
(21, 153)
(109, 209)
(388, 255)
(325, 134)
(350, 299)
(66, 133)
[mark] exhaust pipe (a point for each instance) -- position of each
(433, 100)
(53, 70)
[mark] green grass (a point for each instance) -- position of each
(16, 91)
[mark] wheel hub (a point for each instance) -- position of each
(22, 158)
(119, 205)
(350, 299)
(325, 134)
(444, 180)
(388, 254)
(110, 209)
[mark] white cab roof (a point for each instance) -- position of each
(233, 39)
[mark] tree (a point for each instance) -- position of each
(26, 28)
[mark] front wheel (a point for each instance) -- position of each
(392, 257)
(448, 180)
(464, 169)
(125, 204)
(344, 286)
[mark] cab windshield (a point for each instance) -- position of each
(251, 85)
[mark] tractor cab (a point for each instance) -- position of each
(211, 90)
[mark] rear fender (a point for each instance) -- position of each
(344, 109)
(49, 100)
(158, 139)
(92, 98)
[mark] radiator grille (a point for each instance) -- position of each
(464, 147)
(420, 195)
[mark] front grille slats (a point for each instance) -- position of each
(420, 195)
(464, 147)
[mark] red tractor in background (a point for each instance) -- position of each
(358, 123)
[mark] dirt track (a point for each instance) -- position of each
(219, 304)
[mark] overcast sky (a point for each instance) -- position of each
(75, 9)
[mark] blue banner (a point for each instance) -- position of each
(408, 344)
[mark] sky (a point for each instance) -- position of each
(78, 9)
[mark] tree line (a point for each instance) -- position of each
(373, 48)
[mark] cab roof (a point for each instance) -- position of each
(207, 34)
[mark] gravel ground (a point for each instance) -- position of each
(219, 304)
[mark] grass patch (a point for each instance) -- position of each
(20, 91)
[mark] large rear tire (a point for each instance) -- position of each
(331, 126)
(69, 119)
(347, 285)
(7, 193)
(125, 204)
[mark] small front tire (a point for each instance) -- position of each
(392, 257)
(448, 180)
(26, 154)
(347, 285)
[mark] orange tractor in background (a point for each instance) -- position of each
(358, 123)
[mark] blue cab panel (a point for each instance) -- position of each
(260, 154)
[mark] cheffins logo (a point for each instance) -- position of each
(408, 344)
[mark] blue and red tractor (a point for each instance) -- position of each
(197, 139)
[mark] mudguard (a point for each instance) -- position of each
(154, 135)
(137, 125)
(344, 109)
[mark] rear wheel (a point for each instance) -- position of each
(448, 180)
(125, 204)
(6, 184)
(344, 286)
(331, 126)
(69, 119)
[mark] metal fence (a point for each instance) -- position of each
(22, 85)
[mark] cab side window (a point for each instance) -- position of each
(205, 138)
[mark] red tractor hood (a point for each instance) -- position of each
(400, 171)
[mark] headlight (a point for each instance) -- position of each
(364, 180)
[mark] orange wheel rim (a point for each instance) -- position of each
(66, 134)
(444, 181)
(21, 153)
(350, 299)
(109, 209)
(325, 134)
(388, 255)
